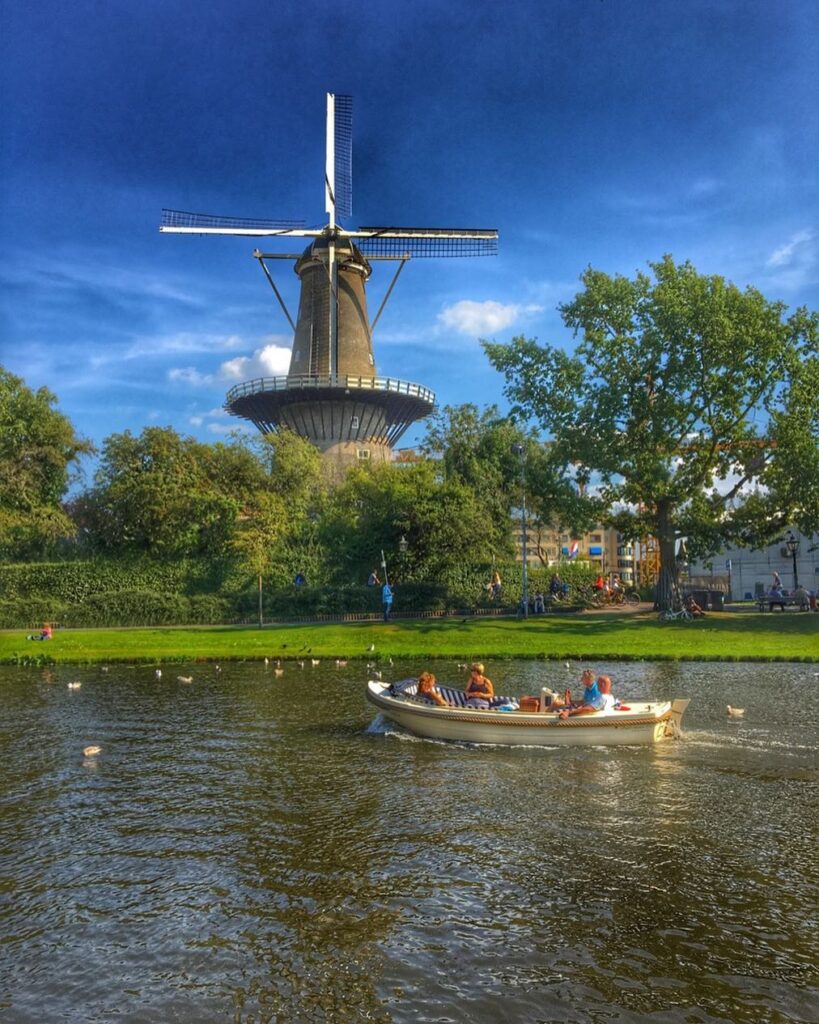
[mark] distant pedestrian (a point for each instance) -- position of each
(386, 601)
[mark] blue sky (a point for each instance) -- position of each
(589, 132)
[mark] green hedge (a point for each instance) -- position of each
(73, 582)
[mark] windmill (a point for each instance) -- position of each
(332, 394)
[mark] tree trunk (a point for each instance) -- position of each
(666, 537)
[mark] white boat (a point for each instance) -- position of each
(638, 722)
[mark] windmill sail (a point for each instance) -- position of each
(338, 172)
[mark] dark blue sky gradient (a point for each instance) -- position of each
(587, 131)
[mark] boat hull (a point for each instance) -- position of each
(644, 724)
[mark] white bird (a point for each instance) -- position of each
(377, 674)
(300, 664)
(184, 679)
(462, 668)
(74, 686)
(278, 672)
(341, 662)
(315, 661)
(91, 751)
(217, 668)
(735, 712)
(104, 668)
(267, 661)
(371, 647)
(158, 673)
(390, 661)
(568, 667)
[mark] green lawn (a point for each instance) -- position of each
(733, 636)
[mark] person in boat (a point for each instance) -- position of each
(428, 691)
(604, 686)
(479, 690)
(591, 701)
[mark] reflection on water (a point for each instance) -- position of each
(254, 848)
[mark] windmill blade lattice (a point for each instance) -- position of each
(426, 242)
(183, 220)
(342, 171)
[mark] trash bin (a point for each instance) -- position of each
(717, 600)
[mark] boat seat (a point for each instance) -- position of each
(453, 696)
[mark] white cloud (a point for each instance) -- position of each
(488, 317)
(189, 375)
(196, 421)
(271, 360)
(791, 251)
(184, 342)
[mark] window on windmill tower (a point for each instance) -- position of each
(370, 357)
(354, 423)
(363, 453)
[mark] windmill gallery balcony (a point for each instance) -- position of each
(333, 408)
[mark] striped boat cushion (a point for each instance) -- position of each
(455, 697)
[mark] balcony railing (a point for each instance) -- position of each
(305, 382)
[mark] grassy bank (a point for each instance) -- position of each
(727, 636)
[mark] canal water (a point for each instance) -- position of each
(255, 848)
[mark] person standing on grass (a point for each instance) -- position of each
(386, 601)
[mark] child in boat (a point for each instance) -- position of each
(479, 690)
(426, 689)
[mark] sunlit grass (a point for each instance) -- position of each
(733, 636)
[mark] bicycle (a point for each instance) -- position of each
(672, 615)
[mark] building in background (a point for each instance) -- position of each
(602, 549)
(749, 573)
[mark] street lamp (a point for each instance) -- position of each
(792, 544)
(402, 549)
(520, 451)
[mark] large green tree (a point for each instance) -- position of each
(39, 449)
(683, 394)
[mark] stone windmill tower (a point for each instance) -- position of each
(332, 394)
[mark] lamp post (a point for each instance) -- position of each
(792, 544)
(520, 451)
(402, 549)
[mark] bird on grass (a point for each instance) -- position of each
(371, 647)
(735, 712)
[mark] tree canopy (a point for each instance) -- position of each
(683, 394)
(39, 449)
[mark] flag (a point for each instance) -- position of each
(575, 547)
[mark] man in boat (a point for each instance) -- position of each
(592, 698)
(604, 686)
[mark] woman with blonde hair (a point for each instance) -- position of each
(479, 690)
